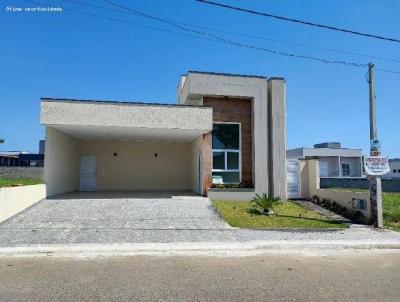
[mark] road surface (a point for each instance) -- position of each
(345, 277)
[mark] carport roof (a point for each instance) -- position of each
(134, 103)
(103, 120)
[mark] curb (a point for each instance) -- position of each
(238, 249)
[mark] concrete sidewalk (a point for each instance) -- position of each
(249, 248)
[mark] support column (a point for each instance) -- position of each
(207, 162)
(277, 137)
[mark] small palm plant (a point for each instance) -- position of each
(264, 202)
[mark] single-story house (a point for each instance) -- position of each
(334, 161)
(225, 129)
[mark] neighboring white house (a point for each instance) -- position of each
(225, 128)
(394, 173)
(334, 161)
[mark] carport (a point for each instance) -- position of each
(114, 146)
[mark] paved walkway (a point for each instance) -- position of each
(98, 218)
(324, 212)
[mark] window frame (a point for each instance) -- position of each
(349, 169)
(226, 151)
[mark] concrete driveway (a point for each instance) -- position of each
(109, 217)
(113, 218)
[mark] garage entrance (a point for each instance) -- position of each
(111, 146)
(120, 166)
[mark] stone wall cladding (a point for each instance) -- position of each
(21, 172)
(228, 109)
(359, 183)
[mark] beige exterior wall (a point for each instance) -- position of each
(61, 162)
(137, 168)
(15, 199)
(277, 136)
(309, 183)
(266, 105)
(345, 199)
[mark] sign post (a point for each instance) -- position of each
(374, 164)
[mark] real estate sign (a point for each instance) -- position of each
(376, 165)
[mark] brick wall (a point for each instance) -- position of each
(236, 110)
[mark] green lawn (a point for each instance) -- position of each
(287, 215)
(391, 208)
(9, 182)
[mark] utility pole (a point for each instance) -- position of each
(375, 185)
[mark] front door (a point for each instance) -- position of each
(293, 179)
(88, 173)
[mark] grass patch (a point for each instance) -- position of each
(391, 207)
(9, 182)
(391, 210)
(287, 215)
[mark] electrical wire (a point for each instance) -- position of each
(126, 10)
(208, 36)
(223, 40)
(264, 14)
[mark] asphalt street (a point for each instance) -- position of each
(345, 277)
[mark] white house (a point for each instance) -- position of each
(225, 129)
(334, 161)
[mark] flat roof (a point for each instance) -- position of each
(90, 101)
(311, 148)
(229, 74)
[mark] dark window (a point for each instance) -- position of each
(218, 160)
(226, 153)
(225, 136)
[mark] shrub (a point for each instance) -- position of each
(264, 202)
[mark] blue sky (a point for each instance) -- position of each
(70, 55)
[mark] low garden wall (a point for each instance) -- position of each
(349, 200)
(16, 199)
(231, 194)
(347, 203)
(21, 172)
(388, 185)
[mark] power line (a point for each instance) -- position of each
(234, 43)
(347, 52)
(210, 37)
(121, 21)
(266, 39)
(129, 11)
(349, 31)
(388, 70)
